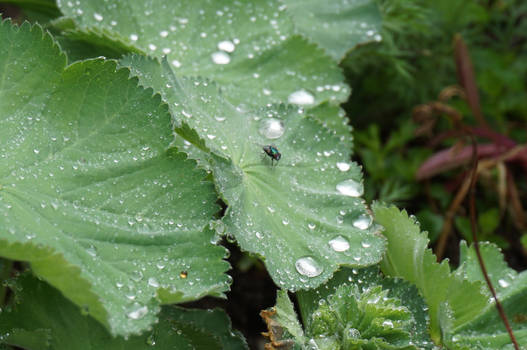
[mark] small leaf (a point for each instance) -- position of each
(49, 321)
(487, 329)
(304, 216)
(89, 194)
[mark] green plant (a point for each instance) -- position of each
(120, 175)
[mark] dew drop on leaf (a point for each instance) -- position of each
(183, 274)
(226, 45)
(301, 97)
(138, 312)
(362, 222)
(271, 128)
(308, 266)
(221, 57)
(350, 188)
(343, 166)
(339, 244)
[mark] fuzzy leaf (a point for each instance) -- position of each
(89, 194)
(336, 25)
(304, 216)
(358, 309)
(42, 310)
(452, 300)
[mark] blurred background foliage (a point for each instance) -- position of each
(412, 66)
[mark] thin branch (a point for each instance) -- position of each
(473, 224)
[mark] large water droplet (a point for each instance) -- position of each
(308, 266)
(152, 282)
(226, 45)
(339, 244)
(301, 97)
(138, 312)
(271, 128)
(342, 166)
(350, 188)
(220, 57)
(362, 222)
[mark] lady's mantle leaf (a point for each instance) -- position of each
(336, 25)
(303, 214)
(44, 319)
(88, 192)
(452, 300)
(248, 47)
(355, 309)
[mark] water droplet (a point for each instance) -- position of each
(183, 274)
(271, 209)
(311, 226)
(301, 97)
(271, 128)
(134, 37)
(219, 118)
(339, 244)
(503, 283)
(350, 188)
(138, 312)
(220, 57)
(388, 323)
(226, 45)
(152, 47)
(176, 63)
(92, 251)
(152, 282)
(285, 222)
(163, 33)
(97, 17)
(365, 244)
(343, 166)
(308, 266)
(362, 222)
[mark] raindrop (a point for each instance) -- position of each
(388, 323)
(152, 282)
(97, 17)
(219, 118)
(343, 166)
(134, 37)
(271, 128)
(362, 222)
(285, 222)
(301, 97)
(183, 274)
(365, 244)
(308, 266)
(503, 283)
(92, 251)
(226, 45)
(163, 33)
(220, 57)
(311, 226)
(176, 63)
(350, 188)
(138, 313)
(339, 244)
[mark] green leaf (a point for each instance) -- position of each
(452, 300)
(486, 330)
(336, 25)
(249, 48)
(357, 309)
(44, 319)
(304, 216)
(89, 194)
